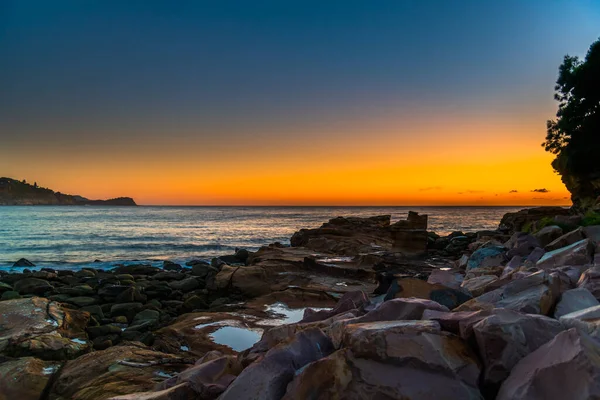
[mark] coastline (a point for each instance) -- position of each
(330, 287)
(59, 237)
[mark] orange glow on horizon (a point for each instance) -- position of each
(357, 163)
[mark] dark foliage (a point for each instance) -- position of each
(575, 134)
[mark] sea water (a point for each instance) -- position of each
(76, 236)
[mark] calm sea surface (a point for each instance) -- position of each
(72, 237)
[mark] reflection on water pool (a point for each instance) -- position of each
(238, 339)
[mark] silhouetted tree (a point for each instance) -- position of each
(575, 134)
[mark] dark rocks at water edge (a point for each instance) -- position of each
(21, 193)
(359, 308)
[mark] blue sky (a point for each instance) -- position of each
(109, 74)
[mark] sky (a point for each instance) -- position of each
(287, 102)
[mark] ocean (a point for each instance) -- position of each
(76, 236)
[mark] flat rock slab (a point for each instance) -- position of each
(41, 328)
(275, 269)
(566, 240)
(348, 236)
(102, 374)
(25, 378)
(578, 253)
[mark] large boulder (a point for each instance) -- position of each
(23, 262)
(477, 286)
(110, 292)
(208, 379)
(128, 310)
(185, 285)
(204, 270)
(505, 337)
(32, 286)
(366, 338)
(171, 266)
(284, 333)
(115, 371)
(144, 320)
(459, 322)
(345, 376)
(567, 367)
(394, 359)
(532, 294)
(25, 378)
(487, 257)
(268, 378)
(41, 328)
(521, 244)
(574, 300)
(586, 320)
(347, 236)
(131, 295)
(401, 309)
(548, 234)
(449, 278)
(252, 281)
(566, 240)
(418, 288)
(398, 342)
(578, 253)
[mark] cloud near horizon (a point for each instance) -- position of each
(427, 189)
(514, 191)
(471, 192)
(543, 190)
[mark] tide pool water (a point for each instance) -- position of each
(76, 236)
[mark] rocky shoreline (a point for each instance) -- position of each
(359, 308)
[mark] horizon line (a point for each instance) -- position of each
(345, 205)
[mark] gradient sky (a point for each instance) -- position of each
(287, 102)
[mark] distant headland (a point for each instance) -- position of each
(21, 193)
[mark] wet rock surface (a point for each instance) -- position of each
(26, 378)
(358, 308)
(41, 328)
